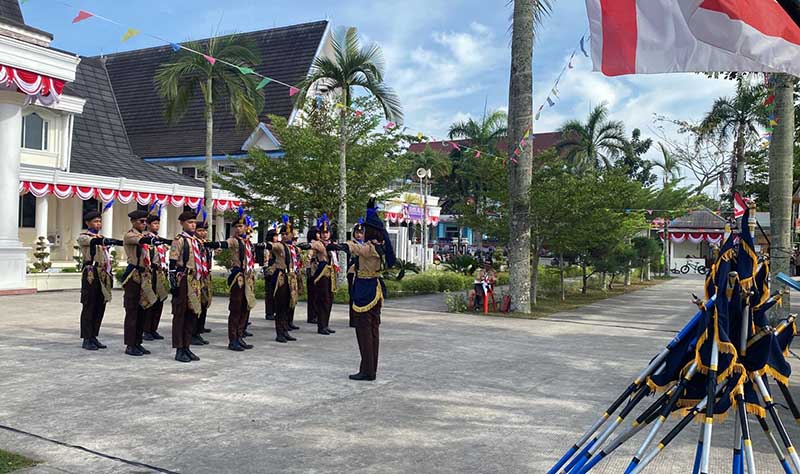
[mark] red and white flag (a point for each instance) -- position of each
(739, 205)
(662, 36)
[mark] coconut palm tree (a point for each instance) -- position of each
(736, 118)
(669, 165)
(780, 182)
(485, 134)
(353, 66)
(527, 16)
(180, 80)
(595, 144)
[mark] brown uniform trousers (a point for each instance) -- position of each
(238, 313)
(368, 336)
(320, 299)
(183, 318)
(283, 312)
(134, 313)
(94, 304)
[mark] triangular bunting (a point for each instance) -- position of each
(210, 59)
(130, 34)
(175, 47)
(293, 91)
(82, 15)
(245, 70)
(263, 83)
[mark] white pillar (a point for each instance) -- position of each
(42, 210)
(108, 222)
(13, 259)
(219, 226)
(163, 232)
(77, 224)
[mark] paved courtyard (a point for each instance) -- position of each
(455, 393)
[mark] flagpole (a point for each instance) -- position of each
(774, 443)
(770, 406)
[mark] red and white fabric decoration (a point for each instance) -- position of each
(65, 191)
(35, 86)
(663, 36)
(694, 237)
(198, 252)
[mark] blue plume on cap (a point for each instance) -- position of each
(108, 205)
(285, 218)
(361, 220)
(241, 211)
(153, 206)
(200, 204)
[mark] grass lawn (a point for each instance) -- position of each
(10, 462)
(551, 304)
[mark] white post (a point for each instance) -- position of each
(41, 217)
(108, 222)
(13, 259)
(219, 225)
(163, 232)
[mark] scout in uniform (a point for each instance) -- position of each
(285, 280)
(268, 269)
(187, 268)
(369, 290)
(241, 281)
(207, 289)
(96, 279)
(352, 261)
(136, 281)
(321, 286)
(159, 266)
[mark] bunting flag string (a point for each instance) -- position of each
(131, 32)
(553, 95)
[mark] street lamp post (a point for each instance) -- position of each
(424, 176)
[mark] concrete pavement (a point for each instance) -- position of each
(455, 393)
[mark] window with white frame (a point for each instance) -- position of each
(189, 171)
(35, 132)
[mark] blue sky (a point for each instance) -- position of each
(445, 58)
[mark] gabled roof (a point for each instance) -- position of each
(286, 55)
(541, 142)
(700, 219)
(99, 144)
(10, 10)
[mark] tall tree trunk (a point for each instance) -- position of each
(520, 119)
(780, 186)
(561, 276)
(535, 273)
(584, 278)
(740, 160)
(208, 196)
(342, 224)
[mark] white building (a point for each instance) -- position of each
(77, 133)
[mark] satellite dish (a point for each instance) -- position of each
(421, 173)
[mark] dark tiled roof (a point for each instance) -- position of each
(704, 219)
(99, 144)
(286, 55)
(541, 142)
(10, 10)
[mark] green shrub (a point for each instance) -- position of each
(70, 270)
(450, 281)
(456, 302)
(465, 264)
(394, 288)
(223, 258)
(502, 279)
(420, 284)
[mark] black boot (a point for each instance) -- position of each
(292, 327)
(142, 349)
(190, 353)
(206, 330)
(360, 376)
(147, 336)
(288, 336)
(133, 351)
(247, 334)
(198, 341)
(99, 344)
(324, 332)
(244, 344)
(330, 331)
(270, 317)
(89, 345)
(182, 356)
(235, 346)
(281, 338)
(156, 335)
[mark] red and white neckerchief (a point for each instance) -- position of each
(249, 262)
(334, 258)
(296, 264)
(146, 258)
(197, 251)
(162, 257)
(106, 257)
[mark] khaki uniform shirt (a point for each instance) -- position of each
(176, 252)
(131, 246)
(84, 240)
(279, 251)
(369, 261)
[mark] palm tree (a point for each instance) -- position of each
(440, 165)
(780, 182)
(179, 81)
(736, 119)
(469, 177)
(352, 66)
(669, 165)
(528, 15)
(594, 144)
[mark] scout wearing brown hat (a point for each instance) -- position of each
(187, 267)
(96, 279)
(159, 268)
(136, 281)
(207, 289)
